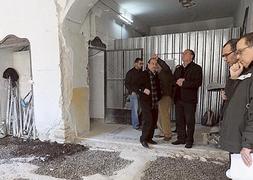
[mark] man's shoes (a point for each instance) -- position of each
(174, 131)
(144, 144)
(152, 142)
(138, 128)
(188, 145)
(159, 136)
(167, 138)
(178, 142)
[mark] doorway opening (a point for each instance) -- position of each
(118, 63)
(109, 102)
(96, 74)
(16, 88)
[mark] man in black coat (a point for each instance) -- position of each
(131, 83)
(150, 94)
(188, 79)
(229, 56)
(237, 124)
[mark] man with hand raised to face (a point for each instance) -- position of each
(237, 125)
(229, 56)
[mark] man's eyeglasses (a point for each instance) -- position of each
(240, 51)
(227, 54)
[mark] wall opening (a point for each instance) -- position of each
(16, 88)
(96, 74)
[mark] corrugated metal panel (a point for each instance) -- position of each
(207, 46)
(118, 62)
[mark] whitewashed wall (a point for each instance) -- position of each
(37, 21)
(106, 26)
(78, 29)
(21, 62)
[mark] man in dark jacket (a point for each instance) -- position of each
(237, 125)
(150, 94)
(228, 53)
(166, 81)
(131, 83)
(188, 79)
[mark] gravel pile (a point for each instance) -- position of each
(84, 164)
(183, 169)
(68, 161)
(11, 147)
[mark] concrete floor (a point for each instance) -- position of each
(118, 137)
(124, 141)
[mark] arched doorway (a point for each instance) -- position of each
(77, 29)
(16, 88)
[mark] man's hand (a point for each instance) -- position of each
(223, 95)
(235, 70)
(246, 156)
(154, 56)
(180, 81)
(146, 91)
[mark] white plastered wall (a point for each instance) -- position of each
(59, 55)
(79, 24)
(21, 62)
(74, 59)
(37, 21)
(106, 26)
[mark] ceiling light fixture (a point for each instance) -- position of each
(126, 20)
(187, 3)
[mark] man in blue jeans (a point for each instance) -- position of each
(131, 83)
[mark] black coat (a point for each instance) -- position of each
(144, 83)
(166, 78)
(237, 124)
(131, 80)
(188, 92)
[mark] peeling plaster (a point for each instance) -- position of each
(73, 65)
(66, 64)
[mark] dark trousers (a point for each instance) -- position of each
(185, 121)
(149, 120)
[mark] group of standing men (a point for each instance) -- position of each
(156, 88)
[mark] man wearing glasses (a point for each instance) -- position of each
(237, 125)
(229, 55)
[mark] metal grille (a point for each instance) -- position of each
(118, 63)
(206, 44)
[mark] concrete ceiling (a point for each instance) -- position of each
(165, 12)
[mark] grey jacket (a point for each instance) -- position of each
(237, 124)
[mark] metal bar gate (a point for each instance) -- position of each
(117, 63)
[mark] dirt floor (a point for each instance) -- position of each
(69, 161)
